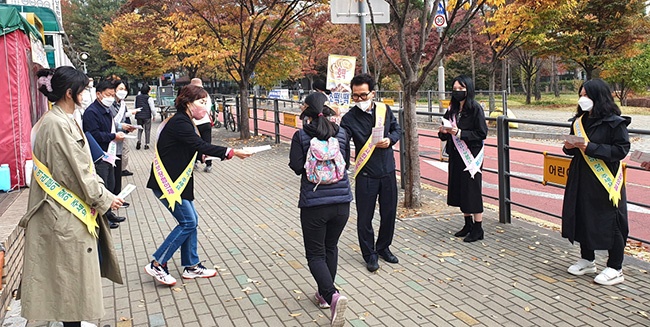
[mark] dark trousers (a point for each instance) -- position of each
(321, 228)
(206, 134)
(366, 192)
(146, 125)
(107, 173)
(616, 253)
(118, 175)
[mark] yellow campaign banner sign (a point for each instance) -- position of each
(340, 70)
(556, 169)
(290, 119)
(388, 101)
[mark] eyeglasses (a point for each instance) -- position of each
(361, 96)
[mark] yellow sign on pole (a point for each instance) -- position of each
(556, 169)
(388, 101)
(290, 119)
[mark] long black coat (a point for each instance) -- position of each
(462, 190)
(588, 216)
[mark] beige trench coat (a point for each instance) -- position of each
(61, 278)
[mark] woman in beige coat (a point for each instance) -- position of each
(61, 278)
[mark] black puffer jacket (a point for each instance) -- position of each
(338, 192)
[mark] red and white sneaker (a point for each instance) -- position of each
(160, 273)
(198, 271)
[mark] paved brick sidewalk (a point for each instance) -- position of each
(249, 227)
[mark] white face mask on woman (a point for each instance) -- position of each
(585, 103)
(364, 105)
(121, 94)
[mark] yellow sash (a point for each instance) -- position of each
(367, 149)
(612, 184)
(64, 197)
(171, 190)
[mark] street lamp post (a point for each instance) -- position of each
(83, 56)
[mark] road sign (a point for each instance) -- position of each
(347, 11)
(440, 20)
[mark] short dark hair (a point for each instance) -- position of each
(145, 89)
(189, 94)
(599, 92)
(363, 79)
(117, 82)
(54, 83)
(104, 85)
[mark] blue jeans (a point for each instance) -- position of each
(184, 236)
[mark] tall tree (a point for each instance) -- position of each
(629, 73)
(83, 23)
(249, 30)
(596, 31)
(530, 65)
(420, 50)
(136, 44)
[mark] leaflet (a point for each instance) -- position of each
(126, 191)
(377, 134)
(446, 124)
(256, 149)
(574, 139)
(640, 156)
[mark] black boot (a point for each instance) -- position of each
(476, 233)
(467, 228)
(137, 145)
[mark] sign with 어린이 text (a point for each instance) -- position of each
(290, 119)
(556, 169)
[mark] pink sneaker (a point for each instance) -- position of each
(321, 301)
(338, 306)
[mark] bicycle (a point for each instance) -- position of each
(214, 116)
(228, 117)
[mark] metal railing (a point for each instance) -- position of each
(503, 147)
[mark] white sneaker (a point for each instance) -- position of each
(582, 267)
(160, 273)
(198, 271)
(609, 276)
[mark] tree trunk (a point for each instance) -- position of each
(471, 53)
(244, 130)
(529, 90)
(538, 82)
(492, 86)
(411, 169)
(555, 78)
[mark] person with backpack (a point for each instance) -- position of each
(320, 154)
(145, 116)
(375, 169)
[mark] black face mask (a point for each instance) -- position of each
(459, 95)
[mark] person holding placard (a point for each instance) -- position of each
(172, 181)
(464, 128)
(374, 169)
(594, 212)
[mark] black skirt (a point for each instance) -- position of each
(464, 191)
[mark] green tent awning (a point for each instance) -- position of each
(46, 15)
(11, 20)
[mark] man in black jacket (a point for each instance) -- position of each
(375, 174)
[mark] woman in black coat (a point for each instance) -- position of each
(469, 130)
(591, 214)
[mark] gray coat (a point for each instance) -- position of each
(61, 278)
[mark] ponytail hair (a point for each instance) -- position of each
(54, 83)
(319, 114)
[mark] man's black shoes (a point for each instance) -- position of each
(388, 256)
(113, 225)
(372, 264)
(126, 173)
(115, 219)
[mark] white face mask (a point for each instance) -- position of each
(364, 105)
(121, 94)
(86, 99)
(108, 101)
(91, 84)
(585, 103)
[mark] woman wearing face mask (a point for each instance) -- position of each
(172, 182)
(119, 113)
(62, 271)
(594, 212)
(465, 148)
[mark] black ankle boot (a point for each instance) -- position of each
(467, 228)
(476, 233)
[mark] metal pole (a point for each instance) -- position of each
(402, 158)
(238, 111)
(255, 127)
(503, 137)
(362, 23)
(505, 102)
(276, 120)
(441, 78)
(429, 105)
